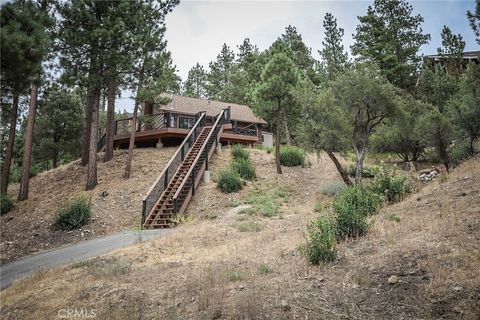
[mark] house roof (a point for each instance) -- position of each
(465, 55)
(192, 106)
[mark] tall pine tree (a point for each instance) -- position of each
(474, 19)
(452, 51)
(334, 57)
(195, 85)
(20, 35)
(219, 75)
(279, 79)
(391, 36)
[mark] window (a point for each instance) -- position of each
(185, 122)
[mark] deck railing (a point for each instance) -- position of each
(161, 183)
(250, 130)
(143, 123)
(195, 171)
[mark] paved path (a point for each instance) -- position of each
(12, 271)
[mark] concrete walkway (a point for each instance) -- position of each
(12, 271)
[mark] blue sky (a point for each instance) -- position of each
(196, 30)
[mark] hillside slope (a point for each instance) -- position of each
(239, 264)
(28, 227)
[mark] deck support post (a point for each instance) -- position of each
(206, 177)
(159, 144)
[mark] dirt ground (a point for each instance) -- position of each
(215, 269)
(28, 227)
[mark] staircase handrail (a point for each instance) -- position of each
(146, 208)
(220, 117)
(102, 142)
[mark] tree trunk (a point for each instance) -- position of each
(92, 157)
(472, 149)
(287, 132)
(128, 165)
(277, 140)
(88, 125)
(112, 87)
(10, 144)
(340, 169)
(55, 159)
(360, 157)
(27, 148)
(444, 156)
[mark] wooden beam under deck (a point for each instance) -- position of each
(238, 138)
(153, 134)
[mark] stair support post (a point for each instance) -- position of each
(206, 158)
(193, 181)
(144, 212)
(165, 182)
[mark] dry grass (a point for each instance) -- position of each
(28, 227)
(211, 270)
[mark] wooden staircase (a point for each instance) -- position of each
(171, 192)
(163, 212)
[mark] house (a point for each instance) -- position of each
(168, 125)
(439, 62)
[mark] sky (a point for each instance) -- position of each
(196, 30)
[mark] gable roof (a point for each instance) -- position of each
(192, 106)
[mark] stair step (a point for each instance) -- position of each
(162, 214)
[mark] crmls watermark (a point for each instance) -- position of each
(83, 313)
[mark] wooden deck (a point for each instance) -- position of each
(165, 128)
(155, 129)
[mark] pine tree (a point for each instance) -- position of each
(19, 64)
(464, 107)
(244, 75)
(153, 69)
(40, 13)
(297, 51)
(248, 60)
(390, 36)
(279, 80)
(195, 85)
(219, 75)
(334, 58)
(474, 19)
(59, 125)
(452, 51)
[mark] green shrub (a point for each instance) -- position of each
(248, 226)
(16, 172)
(265, 204)
(318, 207)
(229, 181)
(292, 156)
(6, 203)
(321, 243)
(393, 217)
(73, 214)
(367, 172)
(352, 208)
(265, 269)
(239, 152)
(244, 168)
(393, 187)
(333, 188)
(460, 151)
